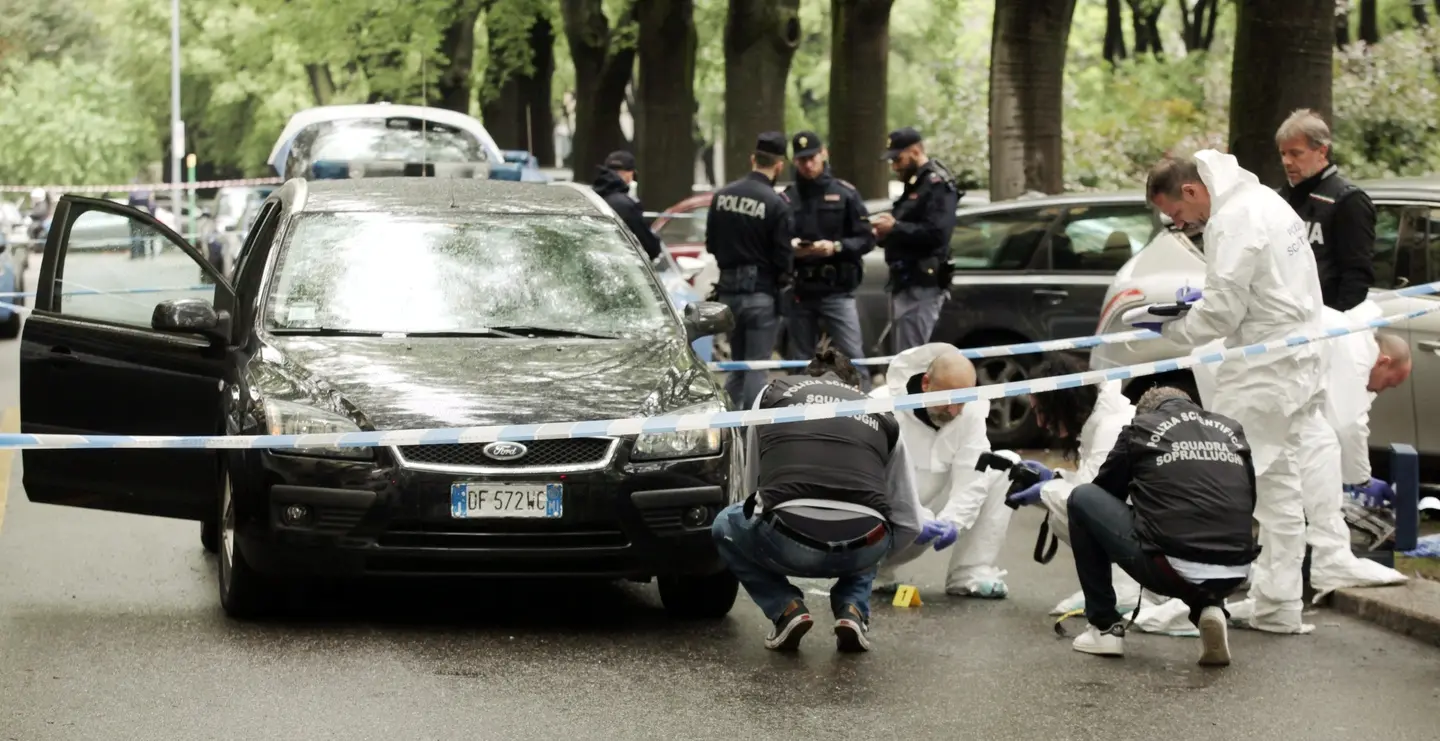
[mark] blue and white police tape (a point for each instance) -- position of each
(687, 422)
(1032, 348)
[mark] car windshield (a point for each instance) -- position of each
(394, 139)
(375, 272)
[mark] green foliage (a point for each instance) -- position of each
(70, 122)
(1387, 100)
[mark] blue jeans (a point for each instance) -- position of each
(761, 557)
(753, 339)
(841, 319)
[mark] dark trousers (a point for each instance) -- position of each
(1102, 532)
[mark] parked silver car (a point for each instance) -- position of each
(1407, 252)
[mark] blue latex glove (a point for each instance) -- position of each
(1045, 473)
(1188, 295)
(1025, 496)
(1375, 493)
(943, 533)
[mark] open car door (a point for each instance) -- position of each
(108, 351)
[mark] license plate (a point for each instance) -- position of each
(471, 501)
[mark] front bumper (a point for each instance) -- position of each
(379, 518)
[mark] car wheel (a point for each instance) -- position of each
(10, 328)
(210, 536)
(244, 592)
(1011, 423)
(708, 596)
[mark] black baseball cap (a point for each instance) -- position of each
(900, 140)
(771, 142)
(620, 160)
(805, 144)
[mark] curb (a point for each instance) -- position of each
(1411, 609)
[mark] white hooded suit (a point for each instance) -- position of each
(943, 468)
(1261, 284)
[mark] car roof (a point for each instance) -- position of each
(409, 195)
(322, 114)
(1426, 188)
(1100, 198)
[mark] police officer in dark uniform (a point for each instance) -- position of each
(748, 232)
(831, 499)
(612, 182)
(832, 234)
(916, 238)
(1338, 215)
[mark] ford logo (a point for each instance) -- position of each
(504, 451)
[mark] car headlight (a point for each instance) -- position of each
(289, 418)
(688, 444)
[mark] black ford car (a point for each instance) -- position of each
(387, 304)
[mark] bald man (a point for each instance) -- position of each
(1334, 451)
(942, 445)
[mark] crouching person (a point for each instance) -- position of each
(831, 498)
(1187, 535)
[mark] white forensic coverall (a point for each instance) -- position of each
(1334, 451)
(942, 464)
(1261, 285)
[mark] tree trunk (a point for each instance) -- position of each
(457, 44)
(1198, 23)
(1369, 23)
(666, 101)
(860, 50)
(1284, 50)
(519, 115)
(602, 70)
(1145, 17)
(760, 40)
(322, 84)
(1027, 71)
(1114, 32)
(1342, 24)
(1417, 9)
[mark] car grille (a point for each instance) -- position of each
(574, 454)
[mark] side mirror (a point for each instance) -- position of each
(706, 318)
(191, 316)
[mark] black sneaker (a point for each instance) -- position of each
(850, 630)
(790, 627)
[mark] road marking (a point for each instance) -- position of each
(9, 422)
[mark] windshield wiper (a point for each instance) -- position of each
(542, 331)
(336, 332)
(326, 332)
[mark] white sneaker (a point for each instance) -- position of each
(1214, 638)
(1107, 643)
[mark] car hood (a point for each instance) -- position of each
(415, 383)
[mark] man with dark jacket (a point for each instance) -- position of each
(1339, 217)
(748, 232)
(916, 237)
(830, 499)
(612, 182)
(831, 238)
(1187, 532)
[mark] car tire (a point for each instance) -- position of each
(699, 597)
(244, 592)
(10, 328)
(1011, 424)
(210, 536)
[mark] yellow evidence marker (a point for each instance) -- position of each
(907, 596)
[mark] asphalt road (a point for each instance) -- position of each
(110, 629)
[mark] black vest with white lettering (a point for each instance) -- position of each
(1314, 200)
(1192, 484)
(840, 459)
